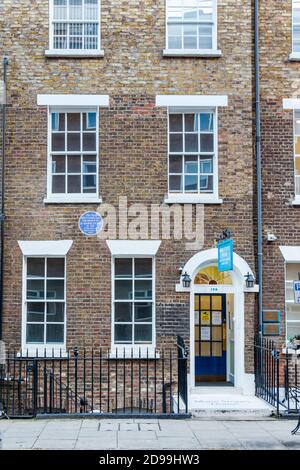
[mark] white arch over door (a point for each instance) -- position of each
(241, 268)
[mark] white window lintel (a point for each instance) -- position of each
(133, 247)
(193, 101)
(45, 248)
(291, 103)
(291, 254)
(73, 100)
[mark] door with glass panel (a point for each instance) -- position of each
(210, 338)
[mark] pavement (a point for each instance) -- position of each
(135, 434)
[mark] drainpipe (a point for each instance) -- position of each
(258, 164)
(5, 65)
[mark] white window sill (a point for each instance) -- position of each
(294, 56)
(80, 54)
(125, 352)
(73, 200)
(39, 351)
(296, 201)
(191, 199)
(192, 53)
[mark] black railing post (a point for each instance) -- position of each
(34, 386)
(75, 352)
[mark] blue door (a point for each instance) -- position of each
(210, 338)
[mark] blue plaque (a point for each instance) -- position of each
(225, 256)
(90, 223)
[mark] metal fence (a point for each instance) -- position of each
(96, 382)
(277, 376)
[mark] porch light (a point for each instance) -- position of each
(249, 281)
(186, 280)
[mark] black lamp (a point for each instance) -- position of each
(249, 281)
(186, 280)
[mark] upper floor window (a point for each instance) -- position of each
(191, 24)
(192, 153)
(73, 155)
(296, 26)
(75, 25)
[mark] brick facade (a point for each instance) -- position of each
(133, 153)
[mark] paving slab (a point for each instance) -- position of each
(264, 444)
(109, 426)
(221, 444)
(149, 427)
(138, 435)
(129, 444)
(96, 443)
(53, 444)
(129, 427)
(178, 443)
(10, 443)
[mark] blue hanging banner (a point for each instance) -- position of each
(90, 223)
(225, 256)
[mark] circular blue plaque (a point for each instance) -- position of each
(90, 223)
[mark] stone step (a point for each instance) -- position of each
(228, 405)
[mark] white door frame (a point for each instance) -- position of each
(240, 270)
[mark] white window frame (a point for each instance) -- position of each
(51, 52)
(196, 197)
(41, 349)
(213, 52)
(133, 350)
(72, 197)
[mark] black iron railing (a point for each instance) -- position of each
(277, 374)
(96, 382)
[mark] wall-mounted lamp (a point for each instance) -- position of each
(249, 281)
(186, 280)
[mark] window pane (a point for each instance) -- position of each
(143, 312)
(55, 312)
(190, 29)
(75, 9)
(176, 143)
(207, 142)
(58, 142)
(74, 184)
(123, 333)
(143, 289)
(58, 184)
(175, 121)
(89, 184)
(58, 164)
(73, 142)
(191, 183)
(175, 29)
(89, 164)
(35, 267)
(191, 122)
(89, 142)
(206, 122)
(206, 165)
(175, 183)
(55, 267)
(35, 334)
(58, 121)
(55, 333)
(205, 42)
(123, 290)
(191, 165)
(191, 142)
(89, 121)
(142, 333)
(35, 290)
(123, 312)
(35, 312)
(190, 42)
(74, 163)
(175, 42)
(55, 289)
(175, 164)
(123, 267)
(206, 183)
(73, 120)
(297, 123)
(143, 267)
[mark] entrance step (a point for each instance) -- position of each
(211, 390)
(231, 405)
